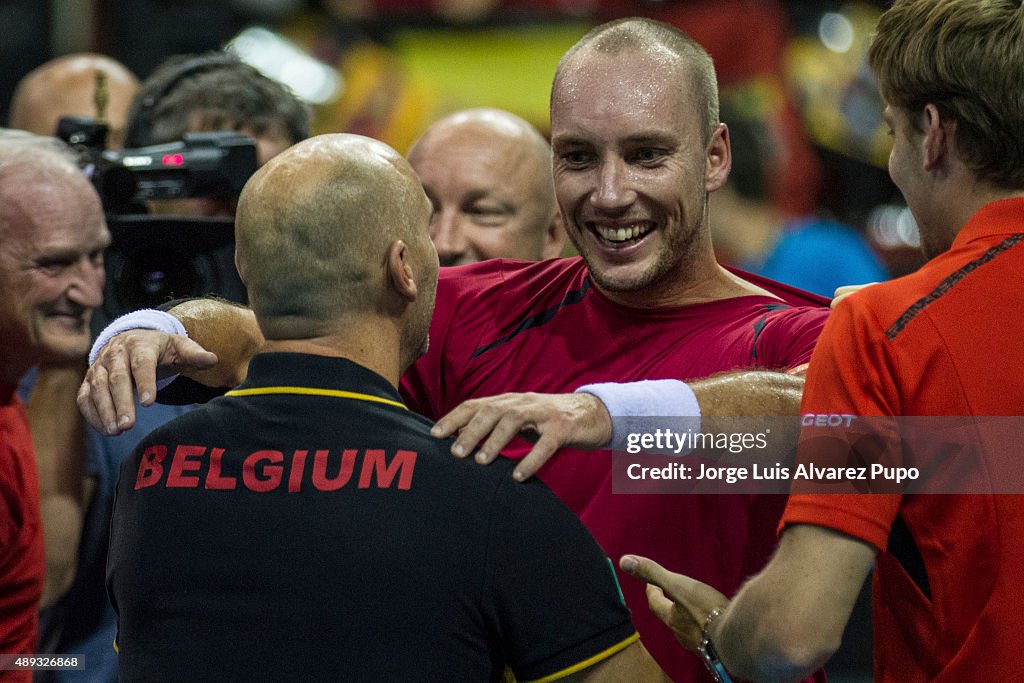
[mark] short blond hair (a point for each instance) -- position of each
(967, 58)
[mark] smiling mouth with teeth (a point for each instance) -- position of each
(620, 235)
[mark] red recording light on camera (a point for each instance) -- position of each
(173, 160)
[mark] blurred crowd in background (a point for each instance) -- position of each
(796, 91)
(809, 201)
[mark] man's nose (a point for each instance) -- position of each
(449, 237)
(86, 286)
(613, 188)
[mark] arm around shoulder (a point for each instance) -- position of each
(131, 354)
(226, 329)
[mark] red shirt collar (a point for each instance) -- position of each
(1003, 217)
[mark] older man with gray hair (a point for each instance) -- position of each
(52, 237)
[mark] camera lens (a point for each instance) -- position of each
(156, 274)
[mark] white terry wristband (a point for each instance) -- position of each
(645, 404)
(144, 319)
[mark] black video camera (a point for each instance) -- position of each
(214, 164)
(201, 165)
(153, 259)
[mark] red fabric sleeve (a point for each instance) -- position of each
(467, 297)
(789, 336)
(845, 377)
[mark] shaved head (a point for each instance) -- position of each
(66, 86)
(664, 44)
(313, 230)
(498, 123)
(488, 174)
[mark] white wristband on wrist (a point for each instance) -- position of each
(144, 319)
(654, 399)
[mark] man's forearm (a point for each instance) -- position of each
(789, 619)
(58, 436)
(729, 403)
(226, 329)
(737, 402)
(751, 648)
(754, 393)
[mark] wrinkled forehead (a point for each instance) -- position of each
(27, 177)
(43, 209)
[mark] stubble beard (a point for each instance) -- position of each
(675, 258)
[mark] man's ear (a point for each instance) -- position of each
(400, 270)
(719, 158)
(938, 136)
(238, 268)
(554, 237)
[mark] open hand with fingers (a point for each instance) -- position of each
(551, 421)
(132, 360)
